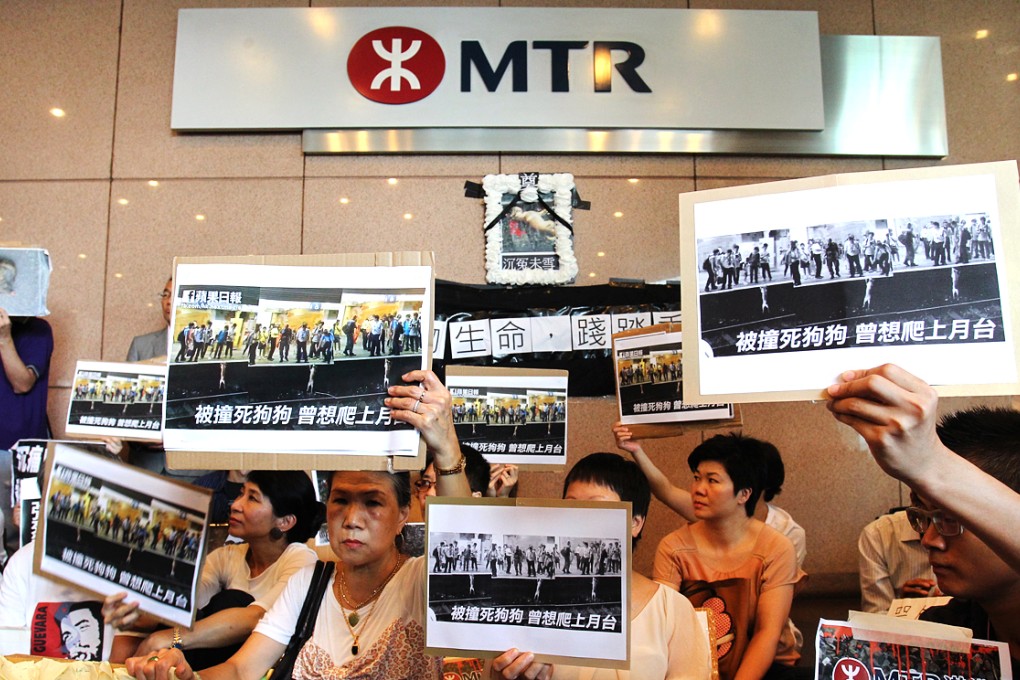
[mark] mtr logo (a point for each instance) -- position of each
(401, 65)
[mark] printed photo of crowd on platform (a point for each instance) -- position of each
(897, 281)
(122, 538)
(114, 398)
(566, 574)
(529, 424)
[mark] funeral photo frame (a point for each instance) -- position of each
(649, 383)
(529, 233)
(122, 400)
(552, 577)
(788, 284)
(513, 416)
(273, 395)
(108, 527)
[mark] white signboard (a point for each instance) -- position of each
(301, 68)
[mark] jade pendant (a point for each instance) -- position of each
(353, 619)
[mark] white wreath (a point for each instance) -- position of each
(561, 186)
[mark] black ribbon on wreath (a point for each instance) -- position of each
(528, 179)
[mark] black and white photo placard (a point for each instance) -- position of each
(108, 527)
(551, 577)
(788, 284)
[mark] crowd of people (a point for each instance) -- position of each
(955, 240)
(736, 552)
(503, 414)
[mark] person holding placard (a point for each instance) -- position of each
(666, 639)
(370, 619)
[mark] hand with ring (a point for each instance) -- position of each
(424, 403)
(162, 665)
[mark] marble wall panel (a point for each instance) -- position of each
(55, 55)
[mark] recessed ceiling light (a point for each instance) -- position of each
(617, 214)
(408, 216)
(82, 256)
(1011, 77)
(983, 33)
(591, 275)
(57, 112)
(600, 254)
(122, 201)
(153, 183)
(148, 304)
(345, 200)
(200, 218)
(118, 275)
(633, 180)
(391, 180)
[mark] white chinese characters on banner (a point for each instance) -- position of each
(470, 339)
(511, 336)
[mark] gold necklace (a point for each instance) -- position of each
(351, 620)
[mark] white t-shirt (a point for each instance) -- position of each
(226, 569)
(391, 631)
(47, 618)
(666, 643)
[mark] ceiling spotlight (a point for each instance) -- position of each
(408, 216)
(617, 214)
(600, 254)
(391, 181)
(200, 218)
(1011, 77)
(591, 275)
(633, 180)
(118, 275)
(57, 113)
(122, 201)
(983, 33)
(345, 200)
(153, 183)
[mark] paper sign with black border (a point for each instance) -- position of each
(122, 400)
(649, 384)
(396, 278)
(782, 337)
(104, 555)
(581, 619)
(484, 398)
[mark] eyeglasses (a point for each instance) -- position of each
(423, 484)
(921, 519)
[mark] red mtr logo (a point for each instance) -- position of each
(396, 65)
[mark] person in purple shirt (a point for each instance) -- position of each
(26, 345)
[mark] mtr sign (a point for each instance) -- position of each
(401, 65)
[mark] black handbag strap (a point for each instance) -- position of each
(305, 626)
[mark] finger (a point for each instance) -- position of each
(504, 659)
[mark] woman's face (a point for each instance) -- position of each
(364, 517)
(251, 513)
(713, 493)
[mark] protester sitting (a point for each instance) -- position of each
(665, 636)
(58, 619)
(275, 514)
(892, 562)
(679, 500)
(985, 589)
(895, 413)
(371, 621)
(734, 563)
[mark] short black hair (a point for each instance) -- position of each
(775, 471)
(617, 473)
(742, 459)
(987, 437)
(291, 492)
(476, 468)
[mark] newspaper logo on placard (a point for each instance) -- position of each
(850, 669)
(396, 65)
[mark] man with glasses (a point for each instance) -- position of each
(985, 589)
(154, 344)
